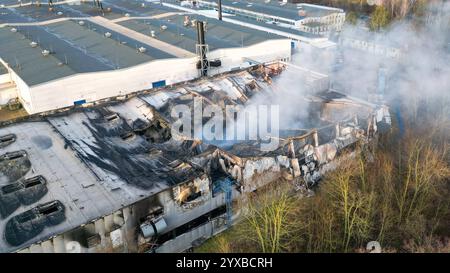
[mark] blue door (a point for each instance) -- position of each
(79, 102)
(159, 84)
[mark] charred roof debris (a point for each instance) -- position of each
(21, 192)
(30, 223)
(126, 181)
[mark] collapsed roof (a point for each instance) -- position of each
(64, 170)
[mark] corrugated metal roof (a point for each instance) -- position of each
(29, 62)
(118, 9)
(288, 10)
(219, 34)
(276, 27)
(80, 48)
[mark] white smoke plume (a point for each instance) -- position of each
(420, 75)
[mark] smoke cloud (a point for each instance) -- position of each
(418, 78)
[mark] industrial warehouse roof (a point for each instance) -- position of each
(3, 69)
(280, 9)
(219, 34)
(284, 28)
(75, 36)
(112, 9)
(269, 25)
(93, 161)
(74, 49)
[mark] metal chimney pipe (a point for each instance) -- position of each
(220, 9)
(202, 48)
(200, 33)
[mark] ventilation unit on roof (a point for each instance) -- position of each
(152, 33)
(13, 156)
(45, 52)
(14, 30)
(163, 27)
(127, 15)
(127, 136)
(142, 49)
(81, 23)
(108, 34)
(7, 139)
(111, 117)
(143, 5)
(33, 44)
(59, 13)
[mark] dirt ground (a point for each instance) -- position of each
(6, 114)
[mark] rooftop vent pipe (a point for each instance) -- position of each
(220, 9)
(202, 48)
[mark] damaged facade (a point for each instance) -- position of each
(114, 178)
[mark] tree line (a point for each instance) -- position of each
(382, 13)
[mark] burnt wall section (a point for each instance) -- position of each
(29, 224)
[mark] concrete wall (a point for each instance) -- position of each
(6, 94)
(5, 78)
(100, 85)
(328, 23)
(22, 88)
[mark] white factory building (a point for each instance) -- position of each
(65, 61)
(308, 18)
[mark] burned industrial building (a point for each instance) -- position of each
(116, 177)
(105, 162)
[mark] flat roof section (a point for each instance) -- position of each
(75, 49)
(89, 164)
(275, 8)
(270, 25)
(219, 34)
(135, 8)
(277, 28)
(112, 9)
(68, 180)
(28, 62)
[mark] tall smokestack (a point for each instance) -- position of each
(220, 9)
(201, 45)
